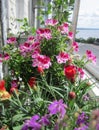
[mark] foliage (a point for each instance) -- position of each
(45, 87)
(57, 9)
(88, 40)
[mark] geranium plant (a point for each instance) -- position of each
(46, 86)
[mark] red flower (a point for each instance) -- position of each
(70, 72)
(72, 95)
(32, 82)
(2, 85)
(40, 70)
(12, 89)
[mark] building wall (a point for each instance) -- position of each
(18, 9)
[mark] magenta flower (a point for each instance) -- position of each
(70, 35)
(1, 59)
(75, 46)
(64, 28)
(35, 46)
(57, 107)
(51, 22)
(11, 40)
(25, 48)
(14, 83)
(6, 56)
(44, 33)
(41, 61)
(91, 57)
(31, 39)
(81, 72)
(62, 57)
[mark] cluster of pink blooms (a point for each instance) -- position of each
(32, 47)
(91, 57)
(44, 33)
(75, 46)
(62, 57)
(51, 22)
(42, 61)
(11, 40)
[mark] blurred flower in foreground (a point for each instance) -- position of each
(3, 93)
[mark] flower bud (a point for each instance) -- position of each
(72, 95)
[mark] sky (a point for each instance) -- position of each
(88, 14)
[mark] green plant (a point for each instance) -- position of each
(45, 79)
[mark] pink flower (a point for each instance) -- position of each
(91, 57)
(63, 28)
(81, 72)
(14, 83)
(35, 54)
(42, 61)
(70, 35)
(11, 40)
(6, 56)
(35, 46)
(75, 46)
(1, 58)
(31, 39)
(62, 57)
(51, 22)
(25, 48)
(44, 33)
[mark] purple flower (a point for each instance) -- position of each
(82, 118)
(57, 107)
(86, 97)
(97, 126)
(45, 120)
(33, 123)
(82, 128)
(26, 125)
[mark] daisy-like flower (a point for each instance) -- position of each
(62, 57)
